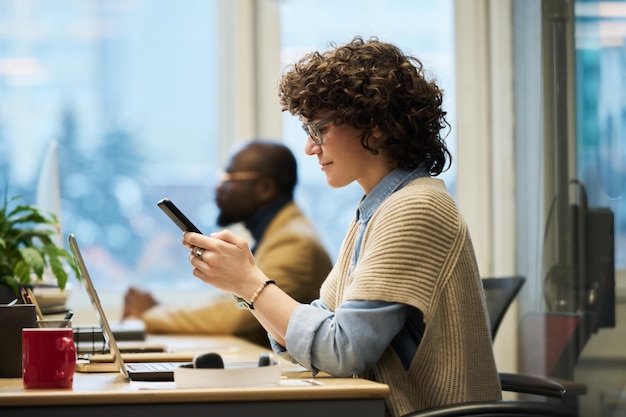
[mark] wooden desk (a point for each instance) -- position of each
(110, 395)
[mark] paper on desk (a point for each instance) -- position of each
(153, 385)
(300, 382)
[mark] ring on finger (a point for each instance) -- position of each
(199, 253)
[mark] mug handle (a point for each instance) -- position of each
(66, 344)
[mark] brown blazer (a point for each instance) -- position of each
(290, 252)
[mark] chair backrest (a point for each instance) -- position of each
(499, 294)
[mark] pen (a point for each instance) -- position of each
(24, 296)
(33, 300)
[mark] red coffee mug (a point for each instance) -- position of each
(48, 358)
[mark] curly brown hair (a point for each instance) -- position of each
(372, 84)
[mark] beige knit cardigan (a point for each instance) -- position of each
(417, 250)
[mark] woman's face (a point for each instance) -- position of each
(343, 159)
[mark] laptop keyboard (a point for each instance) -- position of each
(152, 366)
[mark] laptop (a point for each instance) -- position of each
(135, 371)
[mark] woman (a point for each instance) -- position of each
(404, 304)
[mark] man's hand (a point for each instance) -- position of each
(137, 302)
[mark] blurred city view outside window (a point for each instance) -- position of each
(129, 92)
(601, 110)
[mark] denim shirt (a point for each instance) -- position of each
(350, 340)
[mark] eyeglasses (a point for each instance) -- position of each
(313, 130)
(239, 176)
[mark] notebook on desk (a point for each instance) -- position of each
(133, 330)
(136, 371)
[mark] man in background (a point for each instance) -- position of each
(256, 189)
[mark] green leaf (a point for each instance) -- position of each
(59, 272)
(34, 259)
(21, 271)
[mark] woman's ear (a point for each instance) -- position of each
(375, 138)
(376, 132)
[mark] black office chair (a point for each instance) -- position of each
(555, 405)
(499, 294)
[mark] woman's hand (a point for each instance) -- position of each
(224, 260)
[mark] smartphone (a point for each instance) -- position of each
(177, 216)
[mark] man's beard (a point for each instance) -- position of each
(225, 219)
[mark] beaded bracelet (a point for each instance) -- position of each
(258, 291)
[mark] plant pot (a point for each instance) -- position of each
(7, 294)
(12, 320)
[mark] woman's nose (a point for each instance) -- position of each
(310, 147)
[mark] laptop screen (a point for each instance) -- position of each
(95, 301)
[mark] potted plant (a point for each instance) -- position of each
(27, 248)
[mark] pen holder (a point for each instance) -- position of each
(13, 319)
(55, 323)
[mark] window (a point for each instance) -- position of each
(601, 110)
(129, 92)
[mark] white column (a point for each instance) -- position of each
(485, 158)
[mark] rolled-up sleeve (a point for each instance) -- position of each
(343, 343)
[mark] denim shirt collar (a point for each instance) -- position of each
(395, 180)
